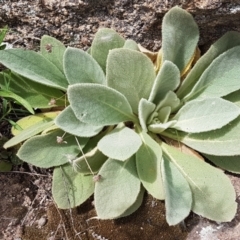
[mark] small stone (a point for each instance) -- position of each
(42, 221)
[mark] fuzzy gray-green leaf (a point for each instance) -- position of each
(99, 105)
(226, 42)
(53, 50)
(69, 188)
(229, 163)
(205, 115)
(220, 78)
(179, 37)
(148, 160)
(89, 162)
(221, 142)
(44, 150)
(168, 79)
(120, 143)
(212, 192)
(105, 40)
(34, 66)
(131, 73)
(145, 109)
(80, 67)
(118, 188)
(234, 97)
(175, 185)
(68, 122)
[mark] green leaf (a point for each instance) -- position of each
(105, 40)
(70, 189)
(160, 127)
(32, 120)
(120, 144)
(99, 105)
(3, 33)
(169, 100)
(80, 67)
(212, 192)
(130, 44)
(164, 113)
(145, 109)
(136, 205)
(20, 100)
(131, 73)
(226, 42)
(53, 50)
(29, 132)
(36, 94)
(205, 115)
(221, 142)
(220, 78)
(68, 122)
(175, 185)
(93, 159)
(148, 160)
(44, 150)
(118, 188)
(33, 66)
(179, 37)
(234, 97)
(168, 79)
(229, 163)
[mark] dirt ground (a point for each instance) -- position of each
(27, 210)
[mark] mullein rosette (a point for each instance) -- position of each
(134, 120)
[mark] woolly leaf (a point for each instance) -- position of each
(105, 40)
(168, 79)
(221, 142)
(145, 108)
(148, 160)
(131, 73)
(80, 67)
(68, 122)
(175, 185)
(229, 163)
(120, 144)
(70, 189)
(89, 162)
(179, 37)
(136, 205)
(205, 115)
(220, 78)
(44, 150)
(226, 42)
(34, 66)
(53, 50)
(118, 188)
(99, 105)
(212, 192)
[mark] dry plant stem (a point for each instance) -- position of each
(70, 209)
(84, 157)
(61, 223)
(33, 174)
